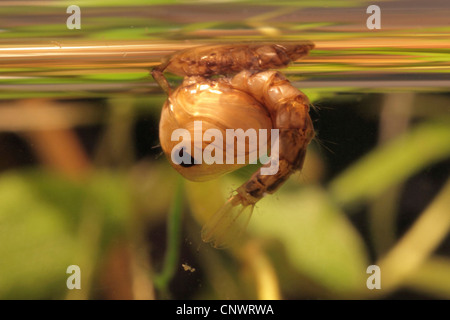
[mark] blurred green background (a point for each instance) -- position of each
(84, 182)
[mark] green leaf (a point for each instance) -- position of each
(319, 240)
(41, 215)
(36, 242)
(392, 163)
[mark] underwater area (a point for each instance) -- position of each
(84, 181)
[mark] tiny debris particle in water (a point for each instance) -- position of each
(57, 43)
(187, 267)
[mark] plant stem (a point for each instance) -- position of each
(163, 279)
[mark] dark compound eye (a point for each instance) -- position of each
(186, 165)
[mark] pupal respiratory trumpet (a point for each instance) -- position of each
(248, 97)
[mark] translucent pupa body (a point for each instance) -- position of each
(247, 96)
